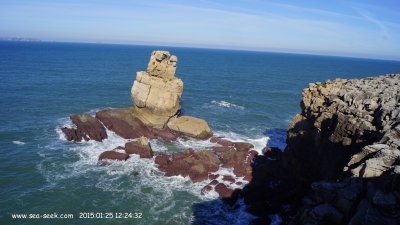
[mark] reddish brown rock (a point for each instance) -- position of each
(124, 123)
(198, 173)
(221, 148)
(213, 183)
(243, 170)
(243, 146)
(164, 134)
(205, 189)
(232, 157)
(163, 161)
(196, 165)
(140, 147)
(113, 155)
(229, 179)
(72, 134)
(177, 168)
(222, 142)
(213, 176)
(87, 125)
(188, 151)
(223, 190)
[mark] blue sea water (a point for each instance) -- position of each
(243, 95)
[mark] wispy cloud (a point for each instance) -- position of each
(367, 15)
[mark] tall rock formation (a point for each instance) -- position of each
(157, 92)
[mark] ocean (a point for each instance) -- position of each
(243, 95)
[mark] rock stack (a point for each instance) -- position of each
(157, 92)
(156, 95)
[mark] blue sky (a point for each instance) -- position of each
(360, 28)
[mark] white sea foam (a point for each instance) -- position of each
(259, 142)
(226, 104)
(18, 142)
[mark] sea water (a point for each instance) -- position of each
(243, 95)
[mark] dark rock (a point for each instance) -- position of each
(124, 123)
(87, 125)
(222, 142)
(72, 134)
(326, 212)
(223, 191)
(140, 147)
(213, 183)
(113, 155)
(243, 146)
(205, 189)
(213, 176)
(163, 160)
(221, 148)
(229, 179)
(272, 152)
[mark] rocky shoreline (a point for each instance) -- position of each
(341, 164)
(342, 160)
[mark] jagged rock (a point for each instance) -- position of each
(72, 134)
(113, 155)
(140, 147)
(196, 165)
(222, 142)
(366, 214)
(345, 146)
(191, 127)
(243, 146)
(124, 123)
(88, 128)
(221, 148)
(162, 64)
(326, 212)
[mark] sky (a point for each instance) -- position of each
(354, 28)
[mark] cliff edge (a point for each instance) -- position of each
(342, 160)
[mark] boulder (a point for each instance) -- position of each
(124, 123)
(140, 147)
(196, 165)
(221, 141)
(113, 155)
(88, 128)
(191, 127)
(72, 134)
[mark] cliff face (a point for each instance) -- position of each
(344, 147)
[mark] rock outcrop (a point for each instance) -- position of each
(88, 128)
(196, 165)
(341, 164)
(140, 147)
(353, 138)
(157, 92)
(190, 127)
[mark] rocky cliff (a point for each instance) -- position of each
(342, 160)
